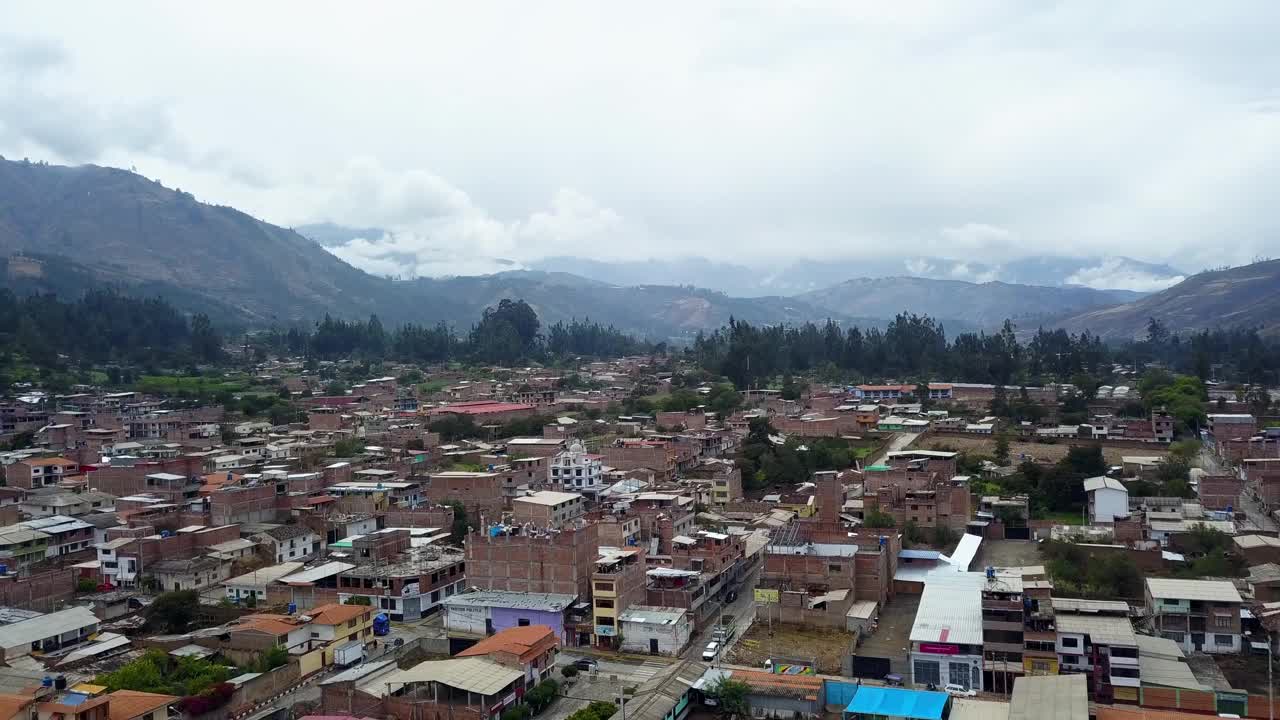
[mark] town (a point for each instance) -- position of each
(630, 535)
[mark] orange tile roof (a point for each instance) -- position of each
(270, 625)
(41, 462)
(1138, 713)
(335, 614)
(525, 642)
(810, 685)
(128, 704)
(11, 705)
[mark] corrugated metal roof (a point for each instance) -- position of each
(46, 626)
(1050, 697)
(472, 674)
(1201, 590)
(950, 609)
(1103, 629)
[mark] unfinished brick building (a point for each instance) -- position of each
(525, 559)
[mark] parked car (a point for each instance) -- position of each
(958, 691)
(709, 654)
(731, 596)
(585, 664)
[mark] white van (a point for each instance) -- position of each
(713, 649)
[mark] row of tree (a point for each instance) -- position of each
(507, 333)
(912, 346)
(103, 326)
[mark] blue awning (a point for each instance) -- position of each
(898, 702)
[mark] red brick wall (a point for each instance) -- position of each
(561, 562)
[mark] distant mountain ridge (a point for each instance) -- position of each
(1246, 296)
(981, 304)
(92, 226)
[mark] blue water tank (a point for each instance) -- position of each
(991, 573)
(4, 569)
(293, 608)
(47, 681)
(164, 533)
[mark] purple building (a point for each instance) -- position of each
(485, 612)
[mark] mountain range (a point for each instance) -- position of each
(64, 229)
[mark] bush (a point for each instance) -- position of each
(207, 701)
(569, 671)
(519, 712)
(357, 600)
(542, 695)
(85, 585)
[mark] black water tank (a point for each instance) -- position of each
(60, 682)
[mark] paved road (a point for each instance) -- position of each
(898, 442)
(1258, 518)
(742, 609)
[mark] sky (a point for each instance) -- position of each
(752, 133)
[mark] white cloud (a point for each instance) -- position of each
(981, 131)
(1116, 273)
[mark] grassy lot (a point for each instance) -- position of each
(188, 385)
(827, 646)
(1063, 518)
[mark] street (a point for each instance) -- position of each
(1258, 518)
(743, 611)
(897, 443)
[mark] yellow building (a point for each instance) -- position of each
(335, 625)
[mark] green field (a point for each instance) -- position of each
(188, 385)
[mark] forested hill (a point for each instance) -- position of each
(1246, 296)
(114, 227)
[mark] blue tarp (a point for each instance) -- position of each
(898, 702)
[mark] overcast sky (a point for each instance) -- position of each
(970, 130)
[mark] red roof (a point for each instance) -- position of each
(525, 642)
(482, 407)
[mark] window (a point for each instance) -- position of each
(604, 620)
(1117, 652)
(959, 675)
(605, 603)
(835, 568)
(1070, 642)
(1071, 659)
(1222, 621)
(523, 622)
(927, 672)
(604, 586)
(1224, 639)
(1124, 672)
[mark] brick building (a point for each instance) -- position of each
(538, 560)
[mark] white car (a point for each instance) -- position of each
(958, 691)
(709, 654)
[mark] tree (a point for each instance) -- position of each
(1002, 448)
(357, 600)
(731, 695)
(877, 519)
(335, 388)
(172, 612)
(348, 447)
(922, 395)
(458, 531)
(206, 344)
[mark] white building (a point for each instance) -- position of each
(254, 584)
(47, 632)
(1108, 499)
(1085, 627)
(291, 542)
(1199, 615)
(946, 638)
(576, 470)
(655, 630)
